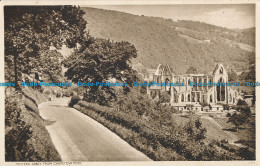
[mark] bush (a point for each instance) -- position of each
(73, 93)
(26, 138)
(228, 115)
(204, 104)
(58, 94)
(241, 102)
(157, 133)
(246, 154)
(74, 100)
(225, 106)
(165, 97)
(66, 93)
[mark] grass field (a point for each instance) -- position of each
(245, 133)
(213, 132)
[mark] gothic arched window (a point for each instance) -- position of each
(221, 70)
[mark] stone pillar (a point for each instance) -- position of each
(220, 94)
(202, 82)
(198, 80)
(186, 83)
(148, 91)
(214, 96)
(207, 82)
(172, 93)
(226, 94)
(157, 94)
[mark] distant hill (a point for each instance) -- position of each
(181, 44)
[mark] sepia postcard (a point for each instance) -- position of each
(129, 83)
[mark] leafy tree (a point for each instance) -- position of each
(30, 29)
(226, 106)
(248, 76)
(237, 120)
(164, 97)
(210, 107)
(195, 131)
(50, 65)
(143, 89)
(245, 110)
(246, 153)
(232, 76)
(228, 114)
(240, 118)
(241, 102)
(74, 100)
(251, 74)
(253, 100)
(101, 61)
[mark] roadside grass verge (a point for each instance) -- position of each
(157, 141)
(27, 138)
(129, 133)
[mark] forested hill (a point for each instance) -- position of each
(181, 44)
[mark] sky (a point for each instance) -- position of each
(233, 16)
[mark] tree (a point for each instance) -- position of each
(232, 76)
(165, 97)
(237, 120)
(246, 111)
(226, 106)
(102, 61)
(240, 118)
(30, 29)
(49, 65)
(192, 70)
(251, 74)
(248, 76)
(195, 130)
(253, 100)
(210, 107)
(241, 102)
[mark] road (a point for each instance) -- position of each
(77, 137)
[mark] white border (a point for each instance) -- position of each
(131, 2)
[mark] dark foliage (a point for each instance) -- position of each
(74, 100)
(148, 121)
(40, 28)
(241, 103)
(19, 132)
(100, 61)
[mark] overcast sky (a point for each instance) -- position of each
(229, 16)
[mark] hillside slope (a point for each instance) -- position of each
(180, 44)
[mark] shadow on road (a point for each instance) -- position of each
(48, 122)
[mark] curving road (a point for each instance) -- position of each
(77, 137)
